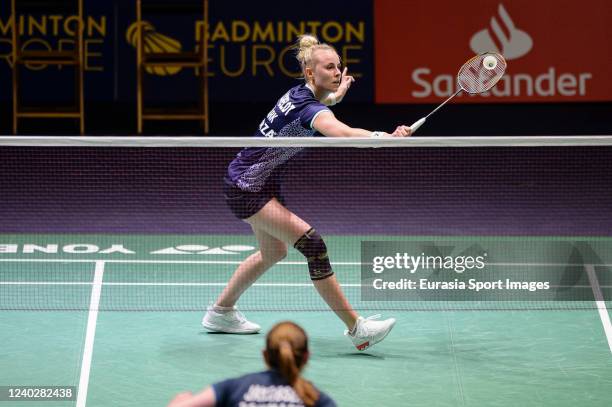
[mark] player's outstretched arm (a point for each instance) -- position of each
(327, 124)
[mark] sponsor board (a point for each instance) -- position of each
(556, 51)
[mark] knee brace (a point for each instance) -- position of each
(312, 246)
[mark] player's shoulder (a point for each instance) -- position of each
(302, 94)
(240, 383)
(258, 377)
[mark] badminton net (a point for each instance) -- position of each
(151, 214)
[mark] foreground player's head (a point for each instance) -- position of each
(320, 63)
(287, 352)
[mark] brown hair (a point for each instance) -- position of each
(306, 45)
(287, 352)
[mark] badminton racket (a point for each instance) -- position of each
(477, 75)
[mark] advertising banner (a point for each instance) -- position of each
(250, 48)
(557, 51)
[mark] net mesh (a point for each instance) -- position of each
(152, 223)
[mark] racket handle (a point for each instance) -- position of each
(415, 126)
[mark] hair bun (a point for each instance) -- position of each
(307, 41)
(306, 45)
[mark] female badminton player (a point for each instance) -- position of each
(286, 354)
(253, 193)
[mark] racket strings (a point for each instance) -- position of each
(473, 77)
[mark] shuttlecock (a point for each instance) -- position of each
(490, 62)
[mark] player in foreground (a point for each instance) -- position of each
(285, 355)
(253, 193)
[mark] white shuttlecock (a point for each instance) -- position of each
(490, 62)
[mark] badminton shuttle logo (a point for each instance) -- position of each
(154, 42)
(507, 40)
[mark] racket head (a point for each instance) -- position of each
(474, 77)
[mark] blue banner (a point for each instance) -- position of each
(250, 54)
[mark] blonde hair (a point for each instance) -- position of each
(306, 45)
(286, 351)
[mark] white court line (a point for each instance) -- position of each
(601, 304)
(169, 284)
(162, 284)
(237, 262)
(91, 333)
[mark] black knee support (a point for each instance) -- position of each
(312, 246)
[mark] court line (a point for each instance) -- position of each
(124, 283)
(455, 362)
(601, 303)
(163, 284)
(237, 262)
(92, 320)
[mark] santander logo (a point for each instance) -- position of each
(503, 36)
(505, 39)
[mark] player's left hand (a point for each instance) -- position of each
(345, 84)
(402, 131)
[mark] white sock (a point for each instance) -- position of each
(222, 310)
(352, 331)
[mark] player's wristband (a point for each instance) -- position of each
(376, 134)
(332, 99)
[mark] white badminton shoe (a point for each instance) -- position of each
(368, 331)
(231, 322)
